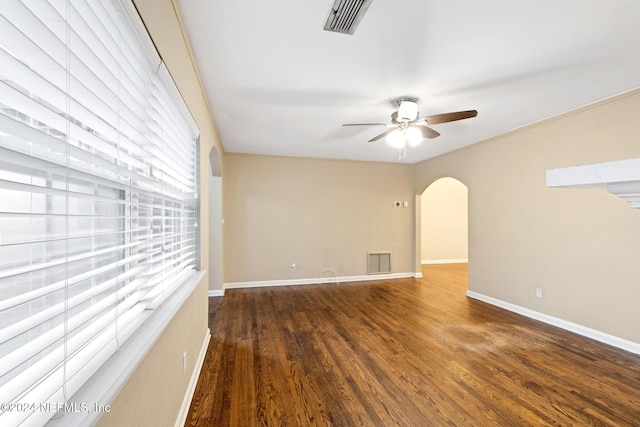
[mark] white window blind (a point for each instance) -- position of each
(98, 195)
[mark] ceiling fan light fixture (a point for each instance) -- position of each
(396, 139)
(413, 136)
(407, 111)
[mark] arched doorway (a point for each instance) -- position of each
(443, 223)
(215, 224)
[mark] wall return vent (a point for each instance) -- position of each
(378, 262)
(345, 15)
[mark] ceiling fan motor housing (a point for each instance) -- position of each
(408, 111)
(407, 108)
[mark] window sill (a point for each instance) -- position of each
(111, 378)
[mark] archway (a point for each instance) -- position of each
(215, 225)
(443, 223)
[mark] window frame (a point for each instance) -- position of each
(104, 385)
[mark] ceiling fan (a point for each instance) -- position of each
(407, 129)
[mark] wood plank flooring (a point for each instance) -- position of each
(403, 352)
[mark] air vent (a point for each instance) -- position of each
(345, 15)
(378, 262)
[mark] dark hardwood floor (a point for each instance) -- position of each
(406, 352)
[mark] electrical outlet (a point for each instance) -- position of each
(397, 204)
(184, 362)
(539, 293)
(293, 266)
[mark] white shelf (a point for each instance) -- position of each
(621, 178)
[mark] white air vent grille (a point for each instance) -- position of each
(378, 262)
(345, 15)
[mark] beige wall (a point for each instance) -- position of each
(444, 221)
(320, 214)
(580, 246)
(155, 392)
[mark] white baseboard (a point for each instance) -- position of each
(319, 280)
(445, 261)
(612, 340)
(186, 403)
(216, 293)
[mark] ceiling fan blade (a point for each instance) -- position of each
(365, 124)
(382, 135)
(427, 132)
(450, 117)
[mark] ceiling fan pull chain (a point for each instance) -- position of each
(402, 152)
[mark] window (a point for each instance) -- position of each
(98, 194)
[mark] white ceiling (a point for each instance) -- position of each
(279, 84)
